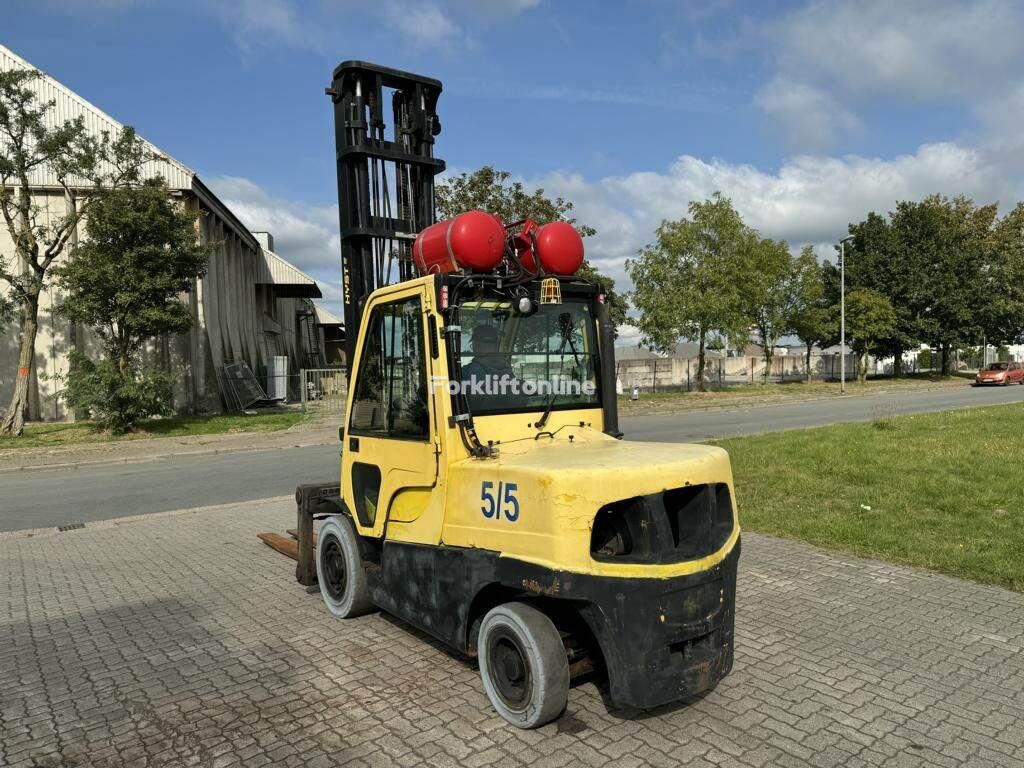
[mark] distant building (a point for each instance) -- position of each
(251, 306)
(680, 350)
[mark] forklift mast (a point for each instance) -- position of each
(385, 179)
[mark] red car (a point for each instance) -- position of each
(1003, 372)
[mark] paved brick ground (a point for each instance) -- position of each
(178, 639)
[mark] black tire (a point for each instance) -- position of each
(523, 665)
(339, 570)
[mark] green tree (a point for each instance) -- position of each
(771, 294)
(813, 320)
(1003, 315)
(949, 243)
(80, 164)
(876, 259)
(689, 282)
(940, 262)
(495, 191)
(870, 320)
(124, 282)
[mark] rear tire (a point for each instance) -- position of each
(339, 570)
(523, 665)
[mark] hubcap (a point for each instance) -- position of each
(508, 669)
(335, 574)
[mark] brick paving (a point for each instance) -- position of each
(178, 639)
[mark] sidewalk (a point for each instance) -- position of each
(317, 432)
(181, 639)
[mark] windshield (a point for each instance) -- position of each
(999, 366)
(512, 362)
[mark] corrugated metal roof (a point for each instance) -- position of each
(326, 317)
(289, 279)
(69, 105)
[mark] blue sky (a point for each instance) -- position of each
(807, 114)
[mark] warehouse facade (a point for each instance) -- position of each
(252, 305)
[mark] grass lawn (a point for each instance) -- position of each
(942, 491)
(57, 434)
(745, 394)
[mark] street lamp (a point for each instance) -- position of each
(842, 313)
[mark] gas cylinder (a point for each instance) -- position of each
(558, 246)
(473, 240)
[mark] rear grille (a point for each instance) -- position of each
(675, 525)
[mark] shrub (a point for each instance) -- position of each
(114, 398)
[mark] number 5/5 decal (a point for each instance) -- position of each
(504, 502)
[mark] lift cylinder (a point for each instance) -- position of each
(473, 241)
(559, 248)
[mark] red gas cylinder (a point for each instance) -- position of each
(559, 247)
(473, 240)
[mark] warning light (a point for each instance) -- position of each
(550, 291)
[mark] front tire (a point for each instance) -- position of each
(339, 570)
(523, 665)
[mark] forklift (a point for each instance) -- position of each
(486, 495)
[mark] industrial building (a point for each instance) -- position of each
(252, 306)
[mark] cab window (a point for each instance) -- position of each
(391, 386)
(524, 363)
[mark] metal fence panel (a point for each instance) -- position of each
(674, 374)
(324, 390)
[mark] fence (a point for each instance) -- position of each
(673, 374)
(323, 389)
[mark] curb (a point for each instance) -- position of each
(116, 522)
(782, 400)
(155, 457)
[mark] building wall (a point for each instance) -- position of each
(235, 318)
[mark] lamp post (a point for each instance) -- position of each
(842, 313)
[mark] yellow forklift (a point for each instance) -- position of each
(486, 496)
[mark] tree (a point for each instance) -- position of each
(869, 320)
(940, 264)
(948, 242)
(1003, 318)
(124, 283)
(80, 164)
(877, 259)
(770, 296)
(813, 320)
(689, 282)
(494, 191)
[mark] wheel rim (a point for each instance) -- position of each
(508, 669)
(335, 573)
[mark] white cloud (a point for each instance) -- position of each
(1003, 118)
(497, 7)
(813, 119)
(830, 52)
(918, 48)
(423, 24)
(807, 200)
(254, 22)
(306, 235)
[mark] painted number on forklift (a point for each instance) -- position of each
(503, 503)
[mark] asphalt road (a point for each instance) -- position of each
(40, 499)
